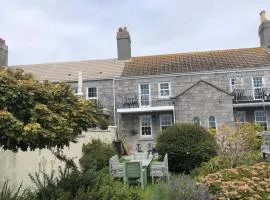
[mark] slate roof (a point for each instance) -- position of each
(68, 71)
(197, 61)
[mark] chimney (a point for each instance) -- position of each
(3, 53)
(264, 30)
(123, 44)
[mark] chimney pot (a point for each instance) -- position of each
(263, 16)
(2, 41)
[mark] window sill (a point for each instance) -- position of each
(146, 138)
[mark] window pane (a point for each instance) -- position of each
(164, 89)
(92, 92)
(257, 81)
(146, 122)
(165, 121)
(212, 122)
(260, 118)
(197, 121)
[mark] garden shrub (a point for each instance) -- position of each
(181, 187)
(246, 182)
(97, 152)
(233, 143)
(187, 146)
(218, 163)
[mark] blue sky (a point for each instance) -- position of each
(66, 30)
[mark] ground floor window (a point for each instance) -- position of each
(240, 117)
(196, 121)
(165, 121)
(146, 125)
(212, 125)
(260, 118)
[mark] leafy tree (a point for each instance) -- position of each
(40, 115)
(187, 146)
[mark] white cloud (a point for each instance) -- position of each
(64, 30)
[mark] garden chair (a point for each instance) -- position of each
(135, 174)
(116, 168)
(160, 169)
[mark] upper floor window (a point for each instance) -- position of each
(235, 83)
(91, 93)
(165, 121)
(196, 121)
(212, 122)
(164, 90)
(146, 125)
(257, 87)
(144, 90)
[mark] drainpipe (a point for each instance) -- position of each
(114, 106)
(173, 111)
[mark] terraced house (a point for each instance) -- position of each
(144, 95)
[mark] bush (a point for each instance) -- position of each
(187, 146)
(222, 162)
(248, 182)
(233, 143)
(11, 193)
(96, 152)
(181, 187)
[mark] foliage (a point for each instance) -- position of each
(11, 193)
(65, 186)
(187, 146)
(233, 143)
(180, 188)
(108, 188)
(218, 163)
(248, 182)
(96, 152)
(39, 115)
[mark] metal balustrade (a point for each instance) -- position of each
(137, 101)
(251, 95)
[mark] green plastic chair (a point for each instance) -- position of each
(135, 174)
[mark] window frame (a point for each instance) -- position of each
(244, 114)
(140, 94)
(159, 90)
(212, 121)
(87, 97)
(233, 86)
(258, 88)
(193, 120)
(160, 121)
(151, 127)
(259, 122)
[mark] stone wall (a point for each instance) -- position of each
(16, 167)
(202, 101)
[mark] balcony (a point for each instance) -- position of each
(131, 103)
(254, 96)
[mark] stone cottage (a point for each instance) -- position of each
(144, 95)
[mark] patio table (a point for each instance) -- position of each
(145, 162)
